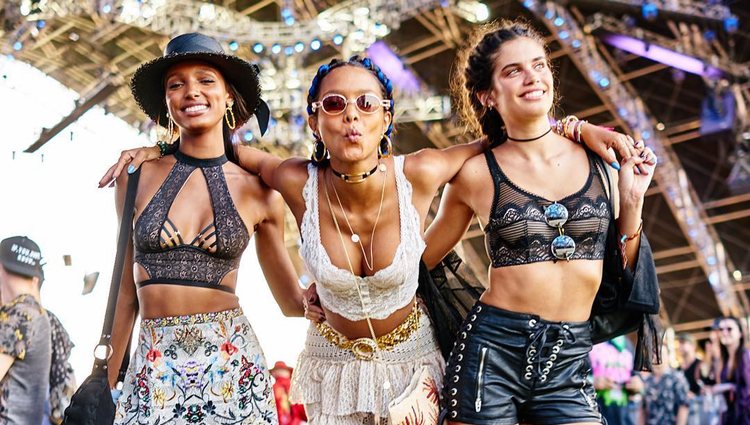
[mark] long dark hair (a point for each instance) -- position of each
(738, 354)
(473, 75)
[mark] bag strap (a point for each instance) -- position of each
(122, 239)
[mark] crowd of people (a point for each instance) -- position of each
(553, 200)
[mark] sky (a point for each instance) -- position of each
(52, 197)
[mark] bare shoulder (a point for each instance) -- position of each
(423, 165)
(474, 170)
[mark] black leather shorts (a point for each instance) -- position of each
(510, 367)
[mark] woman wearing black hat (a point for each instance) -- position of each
(197, 359)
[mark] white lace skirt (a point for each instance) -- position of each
(336, 388)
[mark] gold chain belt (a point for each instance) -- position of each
(364, 348)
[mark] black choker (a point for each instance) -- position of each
(355, 178)
(531, 139)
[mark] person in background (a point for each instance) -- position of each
(25, 336)
(289, 413)
(734, 372)
(612, 367)
(698, 377)
(665, 396)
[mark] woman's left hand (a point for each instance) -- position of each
(635, 177)
(606, 142)
(311, 302)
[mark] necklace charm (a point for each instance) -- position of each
(355, 237)
(382, 168)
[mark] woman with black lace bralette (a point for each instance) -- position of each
(197, 358)
(522, 353)
(361, 211)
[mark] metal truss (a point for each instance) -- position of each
(360, 19)
(631, 112)
(704, 9)
(687, 43)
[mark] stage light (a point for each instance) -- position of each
(649, 11)
(604, 82)
(299, 47)
(248, 136)
(315, 44)
(258, 47)
(558, 21)
(338, 39)
(276, 49)
(233, 45)
(563, 35)
(731, 24)
(289, 50)
(41, 24)
(576, 44)
(17, 46)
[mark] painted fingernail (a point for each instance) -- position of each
(615, 165)
(637, 171)
(609, 128)
(131, 169)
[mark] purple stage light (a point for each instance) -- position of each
(391, 65)
(662, 55)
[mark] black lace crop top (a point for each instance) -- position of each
(214, 252)
(517, 232)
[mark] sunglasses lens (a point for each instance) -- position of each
(368, 103)
(563, 247)
(556, 215)
(334, 104)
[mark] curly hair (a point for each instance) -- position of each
(475, 66)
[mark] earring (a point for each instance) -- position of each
(320, 151)
(170, 129)
(228, 114)
(385, 148)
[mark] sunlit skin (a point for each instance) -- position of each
(427, 170)
(522, 92)
(196, 97)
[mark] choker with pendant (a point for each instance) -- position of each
(358, 177)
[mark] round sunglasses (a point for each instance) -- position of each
(563, 246)
(334, 104)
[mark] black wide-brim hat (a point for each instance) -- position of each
(147, 84)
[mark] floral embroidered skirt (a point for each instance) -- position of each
(197, 369)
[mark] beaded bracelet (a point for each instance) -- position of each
(624, 239)
(166, 148)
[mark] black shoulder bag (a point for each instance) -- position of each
(627, 300)
(92, 402)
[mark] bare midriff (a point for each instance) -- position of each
(562, 291)
(359, 329)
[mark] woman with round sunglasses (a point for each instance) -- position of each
(733, 370)
(339, 200)
(522, 353)
(197, 359)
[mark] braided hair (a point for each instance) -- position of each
(362, 62)
(477, 64)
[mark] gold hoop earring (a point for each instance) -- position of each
(170, 129)
(385, 148)
(320, 151)
(228, 114)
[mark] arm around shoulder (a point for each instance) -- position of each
(451, 222)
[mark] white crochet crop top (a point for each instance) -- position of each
(390, 288)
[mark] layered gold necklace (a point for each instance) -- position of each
(370, 263)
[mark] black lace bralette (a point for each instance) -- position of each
(517, 232)
(215, 251)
